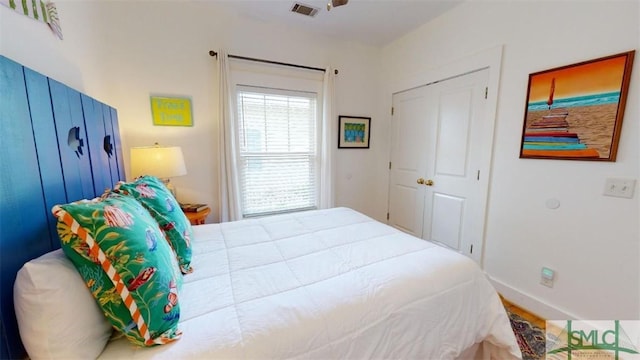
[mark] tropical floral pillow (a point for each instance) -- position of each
(131, 271)
(155, 196)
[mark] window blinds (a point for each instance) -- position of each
(277, 150)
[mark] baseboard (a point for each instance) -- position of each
(530, 303)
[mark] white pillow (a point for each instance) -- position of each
(57, 316)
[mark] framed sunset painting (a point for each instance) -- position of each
(575, 112)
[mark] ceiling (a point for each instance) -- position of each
(371, 22)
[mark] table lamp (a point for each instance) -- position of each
(162, 162)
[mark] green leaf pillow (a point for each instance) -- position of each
(155, 196)
(131, 271)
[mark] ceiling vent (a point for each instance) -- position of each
(304, 9)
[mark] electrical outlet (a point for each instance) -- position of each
(546, 277)
(622, 188)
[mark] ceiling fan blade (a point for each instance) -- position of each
(337, 3)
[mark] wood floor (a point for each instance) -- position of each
(527, 315)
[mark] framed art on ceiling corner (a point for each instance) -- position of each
(353, 132)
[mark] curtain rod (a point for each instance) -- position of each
(215, 54)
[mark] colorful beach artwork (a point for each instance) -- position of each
(575, 112)
(353, 132)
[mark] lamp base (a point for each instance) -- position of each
(170, 187)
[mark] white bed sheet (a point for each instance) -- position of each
(329, 284)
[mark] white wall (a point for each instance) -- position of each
(122, 52)
(592, 241)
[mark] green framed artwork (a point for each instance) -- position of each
(353, 132)
(171, 111)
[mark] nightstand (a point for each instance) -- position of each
(197, 218)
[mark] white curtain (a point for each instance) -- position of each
(327, 146)
(229, 192)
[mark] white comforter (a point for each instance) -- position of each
(329, 284)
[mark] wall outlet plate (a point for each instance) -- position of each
(546, 277)
(618, 187)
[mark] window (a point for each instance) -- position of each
(278, 165)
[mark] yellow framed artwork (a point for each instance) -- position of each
(171, 111)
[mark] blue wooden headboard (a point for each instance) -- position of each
(57, 146)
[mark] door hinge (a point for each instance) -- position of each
(478, 177)
(392, 109)
(471, 250)
(387, 216)
(389, 165)
(486, 92)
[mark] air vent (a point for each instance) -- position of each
(304, 9)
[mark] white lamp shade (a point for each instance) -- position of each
(158, 161)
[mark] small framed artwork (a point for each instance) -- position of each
(353, 132)
(171, 111)
(575, 112)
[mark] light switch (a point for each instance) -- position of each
(617, 187)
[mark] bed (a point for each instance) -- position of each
(319, 284)
(329, 284)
